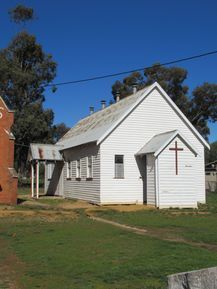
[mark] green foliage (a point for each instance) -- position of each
(59, 130)
(21, 14)
(204, 106)
(32, 124)
(200, 108)
(171, 79)
(25, 70)
(211, 155)
(29, 69)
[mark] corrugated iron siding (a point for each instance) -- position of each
(84, 189)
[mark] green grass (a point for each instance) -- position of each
(27, 191)
(86, 254)
(194, 225)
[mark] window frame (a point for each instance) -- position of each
(89, 176)
(68, 170)
(116, 175)
(50, 169)
(78, 169)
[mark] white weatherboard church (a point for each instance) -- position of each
(141, 149)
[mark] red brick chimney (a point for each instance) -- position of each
(8, 176)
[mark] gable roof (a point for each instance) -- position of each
(96, 127)
(93, 127)
(160, 141)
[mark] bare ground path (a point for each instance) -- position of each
(156, 233)
(68, 209)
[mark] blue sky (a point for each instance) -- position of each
(88, 38)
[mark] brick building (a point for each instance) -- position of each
(8, 176)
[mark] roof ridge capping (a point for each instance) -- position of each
(125, 99)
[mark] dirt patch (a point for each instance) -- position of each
(45, 215)
(11, 269)
(91, 210)
(35, 203)
(75, 205)
(128, 208)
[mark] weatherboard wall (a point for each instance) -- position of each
(152, 116)
(177, 190)
(84, 189)
(150, 178)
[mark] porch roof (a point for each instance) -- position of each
(157, 143)
(44, 152)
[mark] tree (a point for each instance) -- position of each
(58, 131)
(25, 70)
(200, 108)
(171, 79)
(125, 88)
(211, 155)
(32, 124)
(204, 103)
(29, 70)
(21, 14)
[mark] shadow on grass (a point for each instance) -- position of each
(21, 201)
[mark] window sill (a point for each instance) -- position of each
(78, 179)
(119, 178)
(89, 179)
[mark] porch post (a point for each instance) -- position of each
(32, 179)
(45, 177)
(37, 179)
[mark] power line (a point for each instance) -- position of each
(131, 71)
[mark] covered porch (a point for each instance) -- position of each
(49, 155)
(166, 164)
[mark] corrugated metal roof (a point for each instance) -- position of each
(157, 142)
(97, 126)
(45, 152)
(91, 128)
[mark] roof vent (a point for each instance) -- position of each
(134, 88)
(103, 104)
(91, 109)
(117, 96)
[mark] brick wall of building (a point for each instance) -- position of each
(8, 177)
